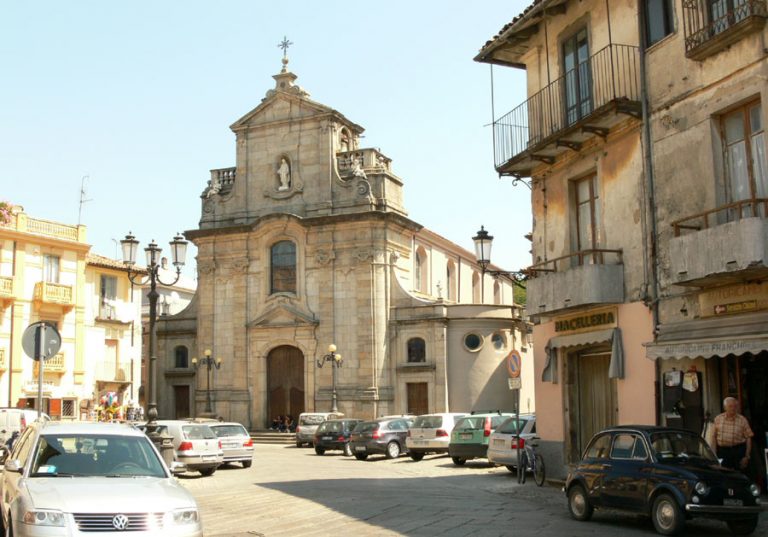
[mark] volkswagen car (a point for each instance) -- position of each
(64, 479)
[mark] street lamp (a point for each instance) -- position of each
(130, 247)
(335, 359)
(209, 362)
(483, 243)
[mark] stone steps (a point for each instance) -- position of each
(273, 437)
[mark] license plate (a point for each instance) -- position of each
(209, 457)
(359, 448)
(228, 446)
(465, 436)
(327, 438)
(420, 442)
(731, 501)
(498, 442)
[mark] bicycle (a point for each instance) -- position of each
(530, 460)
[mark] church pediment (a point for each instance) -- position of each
(283, 313)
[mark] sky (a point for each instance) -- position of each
(138, 98)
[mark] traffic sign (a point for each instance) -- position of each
(514, 363)
(515, 383)
(34, 347)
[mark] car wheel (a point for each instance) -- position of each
(393, 450)
(578, 503)
(247, 464)
(744, 526)
(416, 456)
(361, 456)
(207, 472)
(667, 516)
(319, 450)
(511, 468)
(347, 450)
(458, 461)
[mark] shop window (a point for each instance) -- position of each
(108, 297)
(181, 357)
(283, 267)
(417, 350)
(659, 22)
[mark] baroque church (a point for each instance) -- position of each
(305, 243)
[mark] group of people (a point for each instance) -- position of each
(284, 424)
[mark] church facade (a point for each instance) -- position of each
(305, 243)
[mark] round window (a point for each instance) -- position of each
(498, 341)
(473, 342)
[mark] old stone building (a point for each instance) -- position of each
(306, 242)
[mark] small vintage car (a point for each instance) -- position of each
(670, 474)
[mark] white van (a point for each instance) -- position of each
(15, 420)
(308, 424)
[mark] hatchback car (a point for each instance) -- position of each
(195, 445)
(308, 423)
(430, 433)
(470, 436)
(236, 443)
(503, 444)
(383, 436)
(67, 479)
(669, 474)
(334, 435)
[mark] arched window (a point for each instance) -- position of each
(450, 280)
(420, 271)
(344, 141)
(476, 292)
(417, 350)
(181, 357)
(496, 293)
(283, 267)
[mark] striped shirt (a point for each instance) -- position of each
(732, 430)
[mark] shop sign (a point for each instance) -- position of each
(586, 322)
(741, 298)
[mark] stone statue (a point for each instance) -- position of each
(214, 186)
(357, 169)
(284, 171)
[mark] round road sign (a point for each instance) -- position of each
(514, 362)
(30, 341)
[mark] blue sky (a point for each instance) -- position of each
(139, 96)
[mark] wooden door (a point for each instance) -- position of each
(418, 402)
(596, 400)
(181, 402)
(285, 382)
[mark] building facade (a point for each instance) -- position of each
(306, 243)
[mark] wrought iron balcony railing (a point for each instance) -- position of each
(711, 25)
(609, 78)
(598, 256)
(730, 212)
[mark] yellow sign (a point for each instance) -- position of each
(586, 322)
(741, 298)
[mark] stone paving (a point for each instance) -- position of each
(291, 491)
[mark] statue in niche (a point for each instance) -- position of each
(284, 172)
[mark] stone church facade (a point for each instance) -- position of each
(306, 242)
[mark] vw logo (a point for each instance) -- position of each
(120, 522)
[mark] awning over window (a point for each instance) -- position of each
(707, 348)
(612, 335)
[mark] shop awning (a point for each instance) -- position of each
(613, 335)
(709, 348)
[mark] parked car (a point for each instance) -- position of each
(431, 433)
(382, 436)
(669, 474)
(470, 435)
(99, 492)
(195, 445)
(503, 443)
(236, 443)
(15, 420)
(308, 423)
(334, 435)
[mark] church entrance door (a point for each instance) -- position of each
(285, 382)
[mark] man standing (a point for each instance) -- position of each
(733, 436)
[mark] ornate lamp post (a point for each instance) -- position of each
(483, 243)
(335, 359)
(209, 362)
(178, 251)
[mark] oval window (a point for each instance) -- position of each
(498, 341)
(473, 342)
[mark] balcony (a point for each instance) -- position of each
(111, 371)
(584, 103)
(724, 245)
(223, 180)
(6, 290)
(55, 365)
(54, 293)
(710, 26)
(3, 360)
(586, 278)
(350, 163)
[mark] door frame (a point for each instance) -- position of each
(303, 376)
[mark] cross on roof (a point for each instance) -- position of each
(284, 44)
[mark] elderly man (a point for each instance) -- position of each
(733, 436)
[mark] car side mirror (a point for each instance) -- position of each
(13, 465)
(178, 468)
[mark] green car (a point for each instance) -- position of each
(470, 436)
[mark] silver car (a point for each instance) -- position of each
(236, 443)
(64, 479)
(502, 445)
(195, 445)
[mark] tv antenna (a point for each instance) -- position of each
(83, 198)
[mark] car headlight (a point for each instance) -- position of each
(755, 490)
(185, 516)
(701, 488)
(44, 517)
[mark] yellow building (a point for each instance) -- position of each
(47, 273)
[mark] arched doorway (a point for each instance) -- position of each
(285, 382)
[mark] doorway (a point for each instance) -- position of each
(285, 382)
(181, 402)
(418, 403)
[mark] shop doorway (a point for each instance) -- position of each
(181, 402)
(285, 382)
(418, 403)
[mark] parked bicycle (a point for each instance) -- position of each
(531, 461)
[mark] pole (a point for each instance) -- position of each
(40, 368)
(334, 407)
(517, 427)
(208, 405)
(152, 401)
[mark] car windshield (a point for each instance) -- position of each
(223, 431)
(331, 427)
(470, 424)
(198, 432)
(428, 422)
(366, 427)
(95, 456)
(311, 419)
(681, 445)
(512, 426)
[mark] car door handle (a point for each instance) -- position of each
(605, 466)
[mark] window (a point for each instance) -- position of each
(107, 297)
(725, 13)
(587, 203)
(496, 293)
(283, 256)
(420, 271)
(578, 77)
(344, 141)
(417, 350)
(476, 290)
(745, 163)
(68, 408)
(624, 446)
(181, 357)
(450, 280)
(51, 268)
(473, 342)
(658, 20)
(498, 341)
(598, 449)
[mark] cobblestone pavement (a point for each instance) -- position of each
(291, 491)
